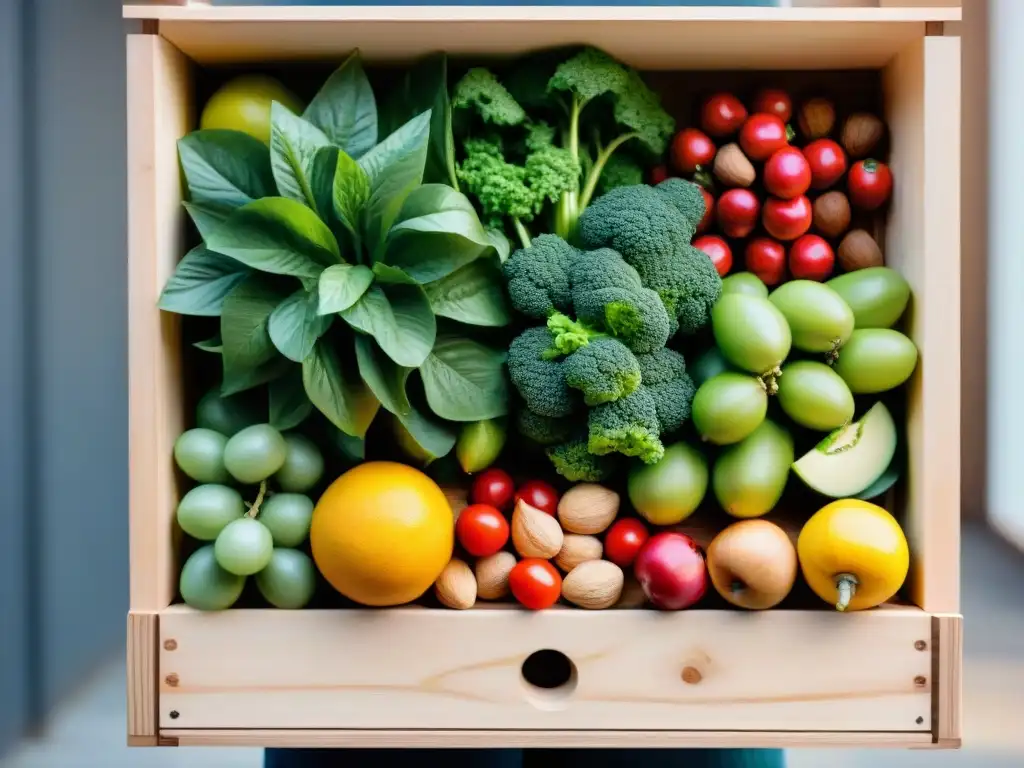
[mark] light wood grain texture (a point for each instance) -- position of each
(438, 669)
(947, 690)
(142, 673)
(923, 242)
(159, 111)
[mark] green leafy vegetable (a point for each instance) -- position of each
(465, 380)
(345, 109)
(293, 148)
(201, 282)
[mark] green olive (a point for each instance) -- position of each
(255, 453)
(244, 547)
(303, 465)
(814, 396)
(289, 579)
(287, 516)
(206, 509)
(200, 455)
(206, 586)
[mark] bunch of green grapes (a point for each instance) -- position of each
(260, 538)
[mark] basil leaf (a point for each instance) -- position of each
(279, 236)
(431, 435)
(388, 275)
(399, 318)
(295, 325)
(395, 168)
(226, 167)
(293, 146)
(473, 294)
(340, 396)
(246, 344)
(351, 191)
(321, 182)
(341, 286)
(201, 281)
(207, 216)
(385, 379)
(214, 345)
(289, 405)
(500, 244)
(249, 378)
(464, 380)
(345, 108)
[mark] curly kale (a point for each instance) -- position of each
(538, 277)
(628, 426)
(537, 374)
(574, 461)
(664, 375)
(604, 370)
(499, 186)
(544, 430)
(479, 90)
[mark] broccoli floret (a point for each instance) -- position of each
(538, 277)
(620, 171)
(544, 430)
(664, 376)
(481, 91)
(628, 426)
(538, 376)
(685, 196)
(568, 335)
(576, 464)
(604, 370)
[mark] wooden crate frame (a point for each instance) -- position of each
(888, 677)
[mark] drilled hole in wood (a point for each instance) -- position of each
(549, 678)
(919, 721)
(174, 714)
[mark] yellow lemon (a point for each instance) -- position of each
(243, 104)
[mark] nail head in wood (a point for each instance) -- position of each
(172, 680)
(921, 645)
(175, 714)
(920, 681)
(919, 720)
(170, 645)
(691, 675)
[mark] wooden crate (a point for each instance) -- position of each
(421, 677)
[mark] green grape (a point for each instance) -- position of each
(303, 465)
(206, 586)
(206, 509)
(255, 453)
(200, 455)
(227, 415)
(289, 579)
(244, 547)
(288, 516)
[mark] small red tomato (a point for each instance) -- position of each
(870, 183)
(539, 495)
(811, 258)
(737, 212)
(718, 250)
(658, 174)
(481, 530)
(762, 135)
(787, 174)
(767, 259)
(722, 114)
(787, 219)
(494, 487)
(624, 540)
(827, 161)
(691, 148)
(709, 211)
(772, 101)
(535, 583)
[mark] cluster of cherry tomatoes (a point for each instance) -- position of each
(482, 530)
(786, 173)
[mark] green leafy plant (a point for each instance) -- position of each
(338, 274)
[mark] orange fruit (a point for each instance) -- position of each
(382, 533)
(243, 104)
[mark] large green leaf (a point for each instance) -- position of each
(293, 146)
(230, 168)
(345, 108)
(399, 318)
(500, 243)
(395, 168)
(207, 216)
(384, 378)
(433, 436)
(295, 325)
(279, 236)
(213, 345)
(289, 405)
(342, 285)
(245, 339)
(200, 282)
(351, 191)
(473, 294)
(465, 380)
(337, 391)
(321, 183)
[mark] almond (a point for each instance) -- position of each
(858, 250)
(492, 575)
(535, 533)
(861, 133)
(832, 214)
(588, 508)
(578, 548)
(733, 168)
(456, 586)
(595, 584)
(817, 118)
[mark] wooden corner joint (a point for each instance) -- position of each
(934, 28)
(150, 27)
(947, 671)
(152, 741)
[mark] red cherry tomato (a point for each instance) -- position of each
(481, 530)
(827, 161)
(658, 174)
(787, 219)
(535, 583)
(870, 183)
(709, 211)
(811, 258)
(493, 486)
(772, 101)
(737, 212)
(718, 250)
(762, 135)
(624, 540)
(766, 258)
(539, 495)
(691, 148)
(722, 114)
(787, 174)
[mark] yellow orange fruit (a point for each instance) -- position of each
(243, 104)
(382, 533)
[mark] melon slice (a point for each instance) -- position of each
(851, 458)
